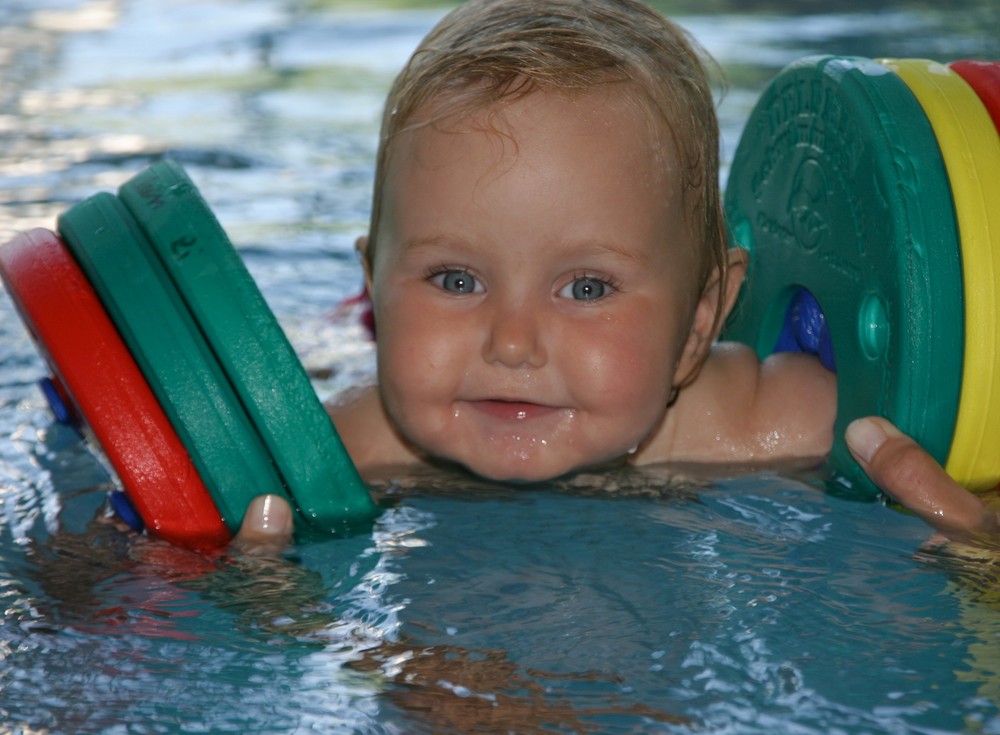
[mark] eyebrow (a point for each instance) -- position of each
(617, 250)
(427, 241)
(587, 246)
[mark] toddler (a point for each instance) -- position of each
(548, 263)
(549, 271)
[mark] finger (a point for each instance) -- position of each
(907, 473)
(267, 526)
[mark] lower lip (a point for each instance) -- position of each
(513, 411)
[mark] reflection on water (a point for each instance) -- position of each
(753, 605)
(741, 605)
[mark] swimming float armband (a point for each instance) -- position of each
(249, 343)
(152, 272)
(95, 376)
(844, 188)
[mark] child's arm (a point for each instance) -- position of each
(743, 410)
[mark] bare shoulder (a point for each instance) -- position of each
(367, 433)
(797, 397)
(742, 409)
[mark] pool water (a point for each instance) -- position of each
(660, 600)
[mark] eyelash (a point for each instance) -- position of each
(443, 270)
(608, 282)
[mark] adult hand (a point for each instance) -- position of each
(267, 526)
(908, 474)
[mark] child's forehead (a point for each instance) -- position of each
(600, 135)
(588, 155)
(611, 105)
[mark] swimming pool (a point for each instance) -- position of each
(643, 601)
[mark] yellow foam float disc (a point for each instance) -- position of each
(971, 151)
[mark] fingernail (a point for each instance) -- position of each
(864, 437)
(267, 515)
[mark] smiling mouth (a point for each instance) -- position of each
(513, 410)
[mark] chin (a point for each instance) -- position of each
(521, 472)
(517, 464)
(527, 478)
(511, 471)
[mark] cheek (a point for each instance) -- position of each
(417, 351)
(628, 370)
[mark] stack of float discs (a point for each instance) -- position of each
(164, 350)
(868, 194)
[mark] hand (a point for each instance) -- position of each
(267, 526)
(908, 474)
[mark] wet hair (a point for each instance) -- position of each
(487, 53)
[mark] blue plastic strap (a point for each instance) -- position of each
(805, 330)
(124, 509)
(57, 405)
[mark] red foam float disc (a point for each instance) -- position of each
(984, 78)
(80, 343)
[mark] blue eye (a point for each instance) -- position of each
(460, 282)
(585, 289)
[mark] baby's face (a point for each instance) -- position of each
(533, 293)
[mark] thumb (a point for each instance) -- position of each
(267, 526)
(908, 474)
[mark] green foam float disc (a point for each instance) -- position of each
(171, 352)
(970, 148)
(838, 187)
(250, 345)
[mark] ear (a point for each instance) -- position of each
(361, 247)
(714, 305)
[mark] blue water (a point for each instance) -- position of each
(753, 605)
(653, 601)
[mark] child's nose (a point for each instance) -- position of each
(514, 338)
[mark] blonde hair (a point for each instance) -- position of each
(487, 52)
